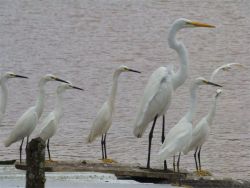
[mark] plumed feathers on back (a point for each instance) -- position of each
(156, 99)
(24, 127)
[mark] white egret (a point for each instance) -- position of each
(156, 99)
(103, 120)
(4, 90)
(180, 136)
(50, 123)
(28, 121)
(202, 129)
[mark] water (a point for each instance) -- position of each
(84, 41)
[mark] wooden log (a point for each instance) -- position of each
(35, 160)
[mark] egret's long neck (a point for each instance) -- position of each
(193, 102)
(40, 99)
(112, 96)
(181, 75)
(59, 108)
(4, 95)
(211, 114)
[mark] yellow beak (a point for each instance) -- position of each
(199, 24)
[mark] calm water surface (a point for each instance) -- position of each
(84, 41)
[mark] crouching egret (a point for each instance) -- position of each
(4, 91)
(103, 120)
(156, 100)
(50, 123)
(180, 136)
(28, 121)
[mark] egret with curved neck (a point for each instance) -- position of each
(180, 136)
(103, 120)
(50, 123)
(157, 97)
(28, 121)
(4, 91)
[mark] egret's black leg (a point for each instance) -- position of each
(196, 159)
(102, 144)
(48, 149)
(174, 163)
(163, 138)
(105, 148)
(20, 150)
(199, 158)
(178, 168)
(150, 141)
(27, 141)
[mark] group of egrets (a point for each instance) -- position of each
(156, 100)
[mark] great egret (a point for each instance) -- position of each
(180, 136)
(50, 123)
(103, 120)
(4, 90)
(156, 99)
(28, 121)
(201, 132)
(202, 129)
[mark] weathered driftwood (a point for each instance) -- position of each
(35, 159)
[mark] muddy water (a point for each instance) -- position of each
(84, 41)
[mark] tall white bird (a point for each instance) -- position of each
(156, 99)
(180, 136)
(202, 130)
(28, 121)
(50, 123)
(4, 90)
(103, 120)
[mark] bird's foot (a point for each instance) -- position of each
(109, 161)
(203, 173)
(50, 161)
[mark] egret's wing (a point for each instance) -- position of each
(24, 127)
(101, 123)
(155, 100)
(49, 127)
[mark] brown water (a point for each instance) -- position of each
(84, 41)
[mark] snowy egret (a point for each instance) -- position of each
(4, 90)
(202, 129)
(28, 121)
(201, 132)
(103, 120)
(180, 136)
(156, 100)
(50, 123)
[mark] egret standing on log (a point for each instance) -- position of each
(155, 100)
(50, 123)
(180, 136)
(103, 120)
(202, 129)
(28, 121)
(4, 91)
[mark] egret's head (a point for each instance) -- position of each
(61, 88)
(51, 77)
(185, 23)
(13, 75)
(203, 81)
(126, 69)
(218, 92)
(229, 66)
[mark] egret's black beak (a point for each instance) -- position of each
(60, 80)
(213, 84)
(131, 70)
(20, 76)
(77, 88)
